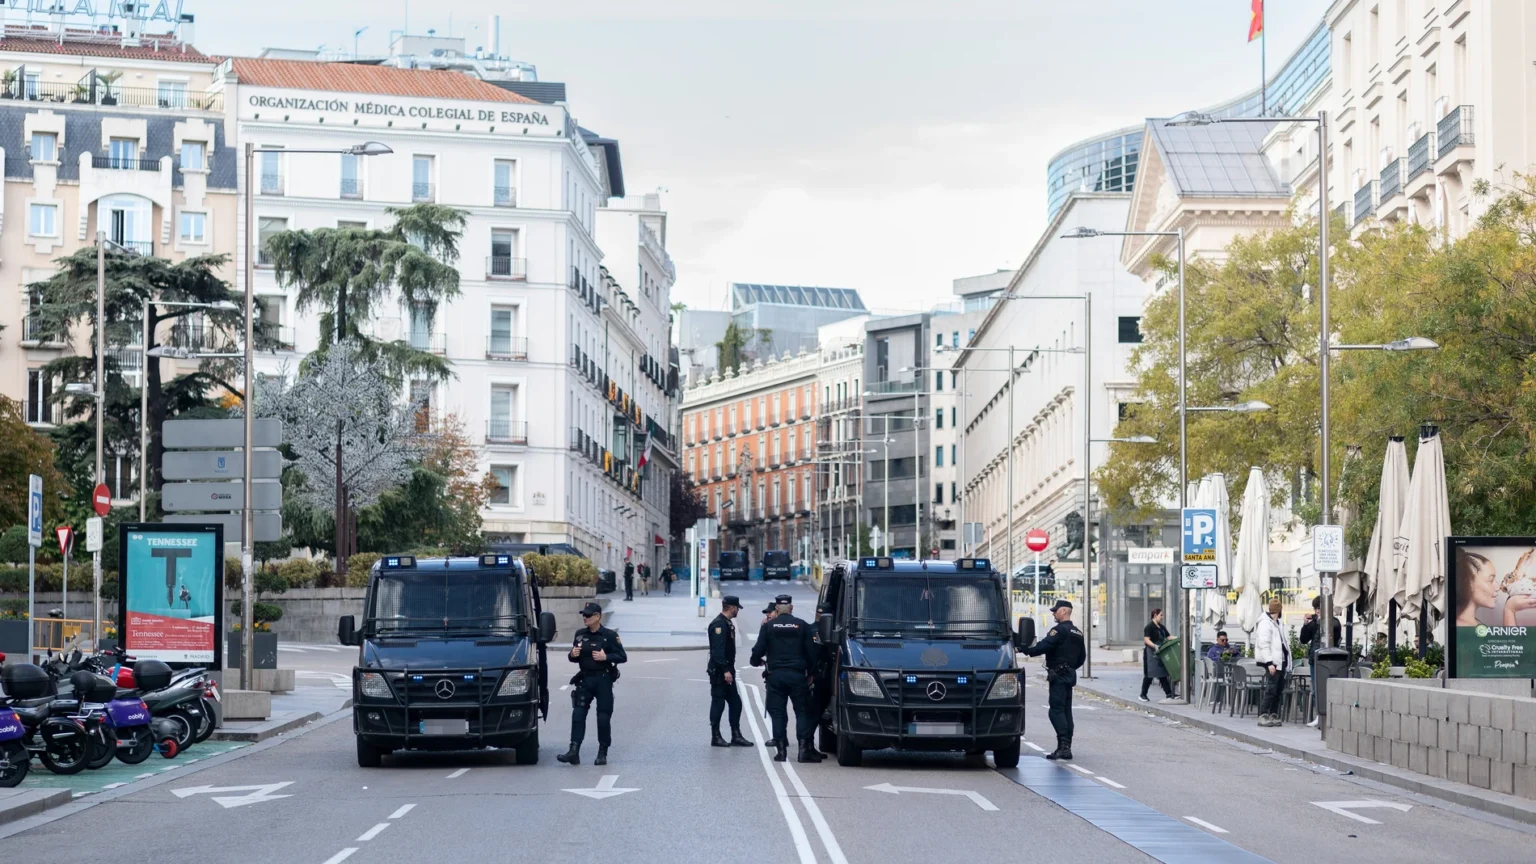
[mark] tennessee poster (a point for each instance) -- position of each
(171, 592)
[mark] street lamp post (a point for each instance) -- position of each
(247, 520)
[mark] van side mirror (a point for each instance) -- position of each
(1025, 636)
(346, 630)
(824, 629)
(546, 628)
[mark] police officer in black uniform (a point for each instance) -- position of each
(722, 674)
(787, 645)
(1065, 650)
(598, 652)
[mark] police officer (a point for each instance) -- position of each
(598, 651)
(1064, 650)
(786, 645)
(722, 674)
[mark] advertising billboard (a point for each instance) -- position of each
(171, 592)
(1491, 600)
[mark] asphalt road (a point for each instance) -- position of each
(305, 800)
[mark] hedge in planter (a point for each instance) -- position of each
(561, 570)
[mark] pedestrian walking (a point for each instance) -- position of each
(1312, 637)
(786, 645)
(667, 577)
(645, 579)
(722, 674)
(629, 580)
(1064, 650)
(598, 652)
(1152, 668)
(1273, 652)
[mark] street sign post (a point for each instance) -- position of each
(101, 499)
(217, 496)
(1036, 540)
(206, 434)
(268, 524)
(1193, 576)
(220, 465)
(34, 540)
(93, 543)
(66, 543)
(93, 534)
(1199, 534)
(1328, 548)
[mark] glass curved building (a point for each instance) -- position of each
(1107, 163)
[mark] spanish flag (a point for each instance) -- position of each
(1256, 22)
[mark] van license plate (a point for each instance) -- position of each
(445, 727)
(936, 729)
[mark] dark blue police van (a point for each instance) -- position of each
(733, 565)
(450, 657)
(918, 655)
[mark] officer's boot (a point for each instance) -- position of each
(739, 740)
(1064, 750)
(602, 755)
(715, 739)
(572, 756)
(1060, 745)
(808, 752)
(780, 751)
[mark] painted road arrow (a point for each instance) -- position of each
(976, 797)
(603, 789)
(257, 794)
(1343, 807)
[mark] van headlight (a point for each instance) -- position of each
(515, 683)
(864, 685)
(1004, 686)
(373, 686)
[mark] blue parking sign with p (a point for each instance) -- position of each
(1199, 531)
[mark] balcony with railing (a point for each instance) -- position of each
(92, 90)
(1342, 211)
(425, 340)
(1454, 131)
(505, 430)
(34, 334)
(421, 192)
(271, 184)
(1420, 158)
(123, 163)
(888, 388)
(145, 248)
(506, 196)
(1365, 201)
(504, 346)
(1392, 178)
(41, 413)
(351, 187)
(281, 337)
(505, 267)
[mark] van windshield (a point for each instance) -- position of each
(467, 600)
(732, 559)
(920, 605)
(776, 559)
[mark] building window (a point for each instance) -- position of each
(501, 331)
(421, 178)
(351, 176)
(1130, 330)
(970, 336)
(172, 94)
(33, 83)
(193, 227)
(952, 452)
(266, 228)
(938, 381)
(271, 173)
(504, 261)
(954, 339)
(938, 493)
(123, 153)
(421, 327)
(938, 340)
(953, 497)
(39, 407)
(505, 181)
(45, 147)
(43, 220)
(1125, 410)
(938, 418)
(505, 489)
(421, 396)
(194, 155)
(938, 457)
(954, 416)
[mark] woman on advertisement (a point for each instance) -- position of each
(1478, 587)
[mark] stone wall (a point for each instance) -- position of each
(310, 614)
(1486, 740)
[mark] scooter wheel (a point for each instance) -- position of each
(168, 748)
(14, 765)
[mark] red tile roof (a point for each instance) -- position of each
(356, 78)
(163, 47)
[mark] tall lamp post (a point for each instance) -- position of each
(247, 520)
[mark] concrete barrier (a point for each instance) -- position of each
(247, 704)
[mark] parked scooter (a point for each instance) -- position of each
(183, 703)
(61, 742)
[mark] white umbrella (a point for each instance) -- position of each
(1216, 497)
(1349, 583)
(1380, 574)
(1250, 574)
(1421, 538)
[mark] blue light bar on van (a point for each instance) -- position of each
(398, 562)
(495, 560)
(974, 564)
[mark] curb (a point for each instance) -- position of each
(268, 730)
(666, 647)
(1472, 798)
(32, 802)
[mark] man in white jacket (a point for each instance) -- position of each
(1273, 652)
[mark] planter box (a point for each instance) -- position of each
(13, 640)
(265, 656)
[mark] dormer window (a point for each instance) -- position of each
(194, 155)
(45, 147)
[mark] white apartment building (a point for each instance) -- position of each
(528, 338)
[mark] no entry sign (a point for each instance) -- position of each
(1037, 540)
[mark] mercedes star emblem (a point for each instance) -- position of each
(937, 691)
(443, 689)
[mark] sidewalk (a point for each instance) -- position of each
(1122, 685)
(660, 622)
(305, 704)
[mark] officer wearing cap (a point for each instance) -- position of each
(722, 674)
(787, 646)
(598, 651)
(1065, 650)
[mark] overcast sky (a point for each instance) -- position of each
(869, 144)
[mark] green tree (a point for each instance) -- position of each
(23, 453)
(735, 347)
(439, 506)
(687, 505)
(349, 274)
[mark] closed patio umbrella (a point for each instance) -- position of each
(1216, 497)
(1250, 567)
(1420, 546)
(1380, 574)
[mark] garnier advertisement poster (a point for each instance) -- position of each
(1491, 598)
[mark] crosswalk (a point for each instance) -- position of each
(338, 680)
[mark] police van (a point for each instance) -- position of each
(450, 657)
(918, 655)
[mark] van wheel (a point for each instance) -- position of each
(1007, 757)
(528, 751)
(368, 756)
(849, 755)
(828, 739)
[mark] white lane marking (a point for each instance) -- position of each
(1035, 747)
(1081, 770)
(86, 792)
(1214, 829)
(1343, 807)
(341, 856)
(113, 785)
(697, 680)
(563, 687)
(145, 774)
(791, 818)
(605, 788)
(823, 830)
(254, 794)
(402, 811)
(976, 797)
(459, 773)
(1108, 782)
(372, 832)
(663, 660)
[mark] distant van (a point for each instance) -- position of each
(776, 564)
(733, 565)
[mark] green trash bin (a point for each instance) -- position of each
(1169, 653)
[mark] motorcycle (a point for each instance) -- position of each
(14, 760)
(61, 742)
(119, 723)
(183, 704)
